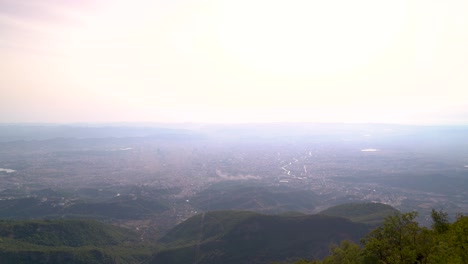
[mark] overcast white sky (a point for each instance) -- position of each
(398, 61)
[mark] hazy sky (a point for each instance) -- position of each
(398, 61)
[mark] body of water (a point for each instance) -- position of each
(369, 150)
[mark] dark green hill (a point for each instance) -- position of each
(204, 227)
(25, 208)
(67, 241)
(72, 233)
(369, 213)
(115, 208)
(57, 256)
(246, 237)
(118, 208)
(236, 196)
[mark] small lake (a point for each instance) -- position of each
(6, 170)
(370, 150)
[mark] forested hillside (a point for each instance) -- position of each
(401, 240)
(247, 237)
(68, 241)
(369, 213)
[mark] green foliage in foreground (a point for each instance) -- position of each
(401, 240)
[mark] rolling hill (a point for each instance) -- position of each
(237, 196)
(368, 213)
(123, 207)
(247, 237)
(67, 241)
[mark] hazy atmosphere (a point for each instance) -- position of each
(234, 61)
(233, 131)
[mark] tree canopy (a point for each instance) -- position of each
(401, 240)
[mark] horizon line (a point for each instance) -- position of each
(130, 123)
